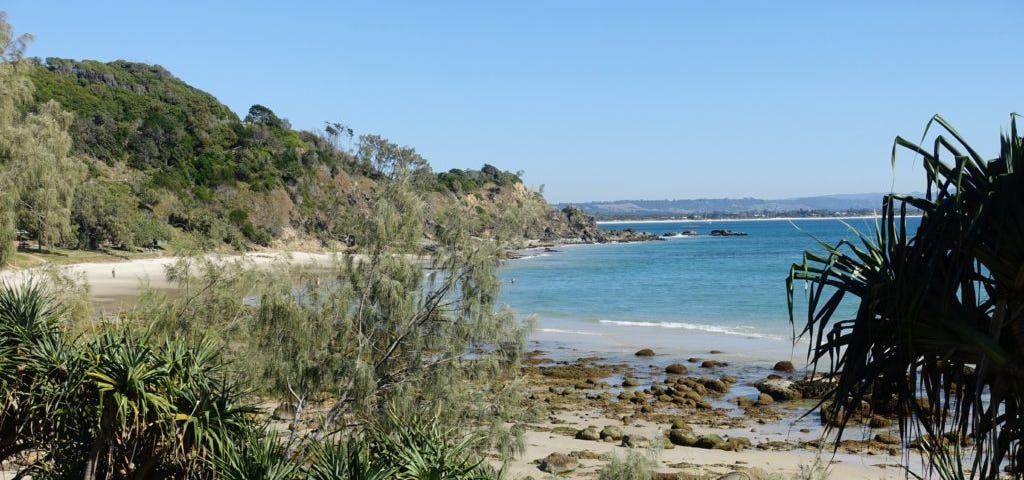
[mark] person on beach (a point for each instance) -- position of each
(113, 273)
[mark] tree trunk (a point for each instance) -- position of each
(92, 465)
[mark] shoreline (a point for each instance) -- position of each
(746, 359)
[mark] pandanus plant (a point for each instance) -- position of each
(938, 331)
(111, 407)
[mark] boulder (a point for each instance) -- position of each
(589, 433)
(779, 389)
(715, 385)
(694, 360)
(646, 352)
(635, 441)
(558, 463)
(887, 438)
(745, 402)
(612, 432)
(878, 421)
(713, 364)
(682, 438)
(812, 388)
(680, 424)
(764, 400)
(737, 444)
(629, 382)
(710, 441)
(676, 369)
(784, 366)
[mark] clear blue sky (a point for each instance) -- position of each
(596, 100)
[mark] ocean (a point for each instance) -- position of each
(684, 293)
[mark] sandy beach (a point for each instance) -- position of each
(109, 282)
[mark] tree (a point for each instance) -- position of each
(46, 174)
(100, 215)
(388, 159)
(17, 93)
(34, 148)
(938, 334)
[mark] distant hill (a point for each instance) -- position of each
(824, 205)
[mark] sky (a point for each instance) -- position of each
(593, 100)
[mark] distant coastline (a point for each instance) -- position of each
(744, 219)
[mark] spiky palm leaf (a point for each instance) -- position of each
(939, 326)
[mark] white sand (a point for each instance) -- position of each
(109, 281)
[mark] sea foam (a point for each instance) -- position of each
(739, 331)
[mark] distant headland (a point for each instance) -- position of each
(823, 206)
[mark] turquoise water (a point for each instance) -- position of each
(723, 285)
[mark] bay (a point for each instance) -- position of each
(726, 287)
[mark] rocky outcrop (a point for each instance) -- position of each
(780, 389)
(727, 233)
(812, 388)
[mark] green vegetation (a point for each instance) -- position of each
(636, 465)
(938, 335)
(168, 390)
(126, 156)
(406, 321)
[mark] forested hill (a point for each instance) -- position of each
(166, 161)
